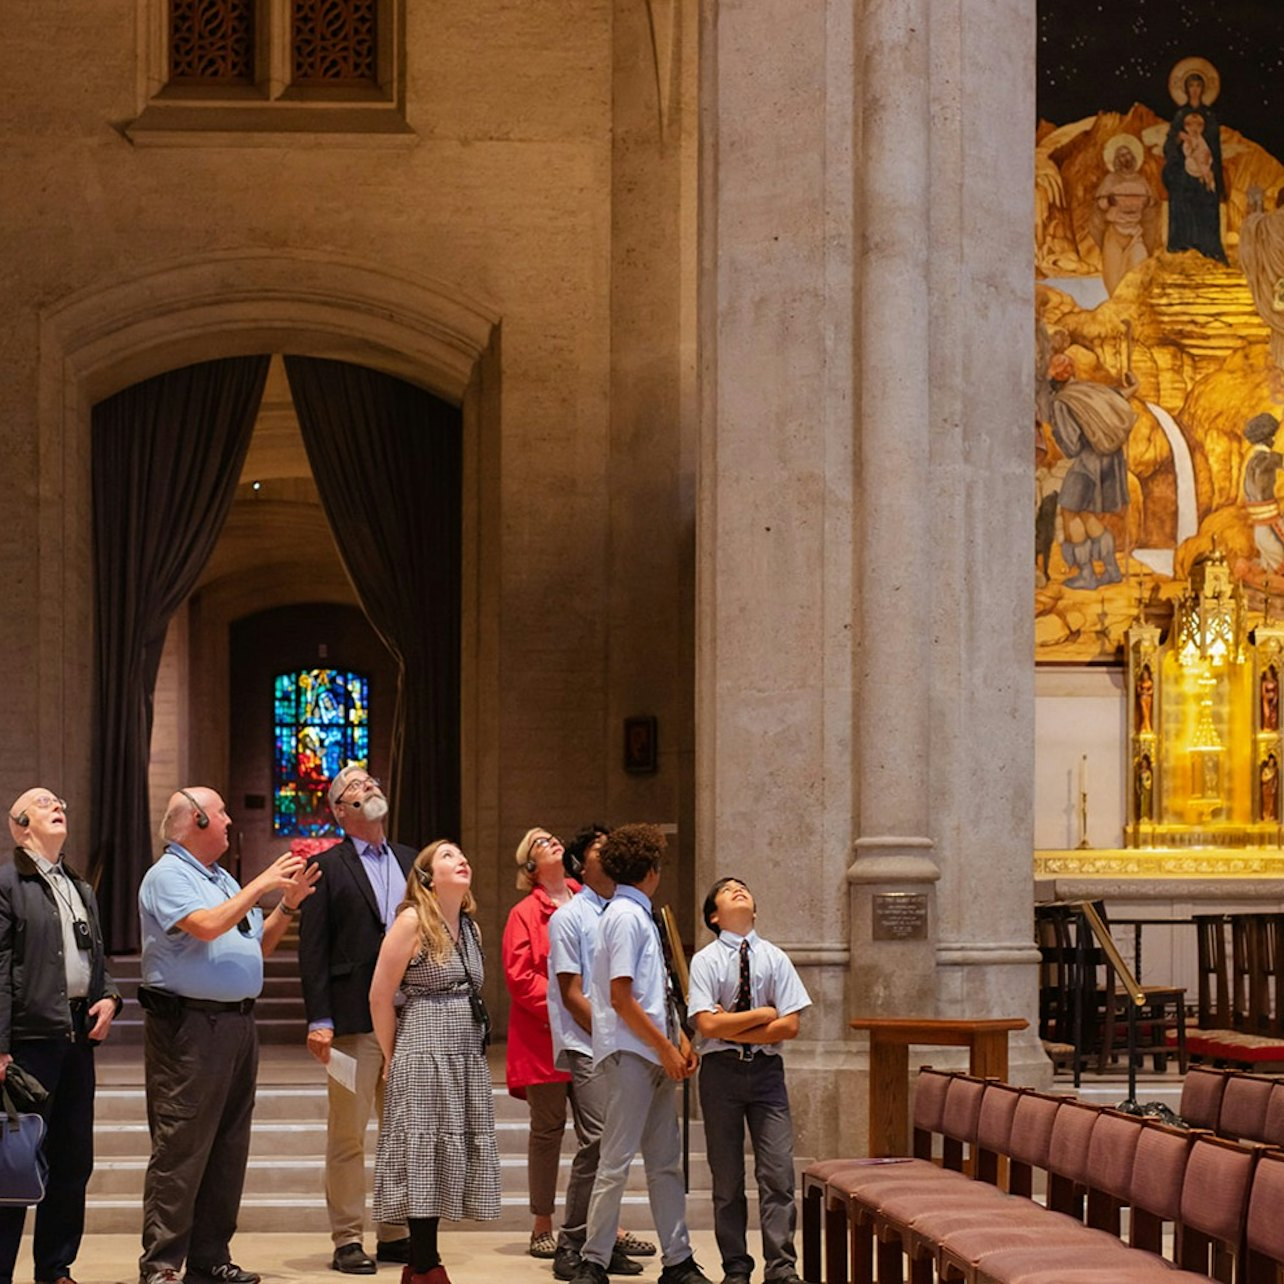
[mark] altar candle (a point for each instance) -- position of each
(1083, 776)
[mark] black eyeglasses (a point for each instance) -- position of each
(367, 781)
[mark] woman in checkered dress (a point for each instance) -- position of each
(437, 1156)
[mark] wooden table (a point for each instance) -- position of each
(889, 1045)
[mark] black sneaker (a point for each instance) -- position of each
(352, 1259)
(590, 1273)
(566, 1262)
(686, 1272)
(226, 1273)
(622, 1264)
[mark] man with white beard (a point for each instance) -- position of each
(340, 931)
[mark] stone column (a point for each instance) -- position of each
(774, 538)
(894, 851)
(979, 511)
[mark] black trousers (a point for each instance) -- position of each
(66, 1069)
(200, 1072)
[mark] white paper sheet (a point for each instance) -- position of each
(342, 1069)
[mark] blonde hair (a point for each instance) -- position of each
(526, 877)
(423, 900)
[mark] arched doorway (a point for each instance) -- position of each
(106, 338)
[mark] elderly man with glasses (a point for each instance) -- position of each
(204, 942)
(340, 932)
(56, 1002)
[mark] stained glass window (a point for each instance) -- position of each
(321, 724)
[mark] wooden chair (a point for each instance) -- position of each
(1201, 1096)
(1273, 1125)
(1264, 1256)
(1163, 1007)
(1214, 974)
(1244, 1106)
(1214, 1206)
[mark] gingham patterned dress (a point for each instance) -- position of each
(437, 1155)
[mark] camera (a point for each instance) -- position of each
(80, 930)
(480, 1015)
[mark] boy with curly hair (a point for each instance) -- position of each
(642, 1053)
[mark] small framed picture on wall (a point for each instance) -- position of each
(641, 748)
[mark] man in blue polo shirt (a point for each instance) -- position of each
(204, 941)
(744, 1000)
(642, 1052)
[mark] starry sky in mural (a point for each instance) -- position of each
(1104, 55)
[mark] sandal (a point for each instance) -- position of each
(627, 1242)
(543, 1245)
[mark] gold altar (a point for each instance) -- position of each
(1204, 725)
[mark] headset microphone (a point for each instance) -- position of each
(202, 820)
(21, 819)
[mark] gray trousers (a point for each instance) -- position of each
(640, 1116)
(588, 1109)
(733, 1094)
(200, 1070)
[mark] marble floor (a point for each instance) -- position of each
(470, 1256)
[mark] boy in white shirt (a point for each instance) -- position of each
(572, 942)
(745, 997)
(642, 1053)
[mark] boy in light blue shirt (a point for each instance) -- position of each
(642, 1053)
(572, 943)
(745, 997)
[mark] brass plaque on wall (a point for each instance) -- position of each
(900, 916)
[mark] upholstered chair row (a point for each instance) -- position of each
(1234, 1103)
(878, 1216)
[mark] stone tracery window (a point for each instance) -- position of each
(335, 42)
(211, 42)
(220, 70)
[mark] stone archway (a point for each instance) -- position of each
(116, 333)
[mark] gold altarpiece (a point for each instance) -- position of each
(1204, 743)
(1204, 722)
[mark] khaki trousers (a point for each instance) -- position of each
(345, 1148)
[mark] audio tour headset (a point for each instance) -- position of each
(202, 820)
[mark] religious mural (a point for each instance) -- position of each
(1159, 241)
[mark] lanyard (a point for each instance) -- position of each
(54, 879)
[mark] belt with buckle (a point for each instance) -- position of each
(742, 1052)
(216, 1005)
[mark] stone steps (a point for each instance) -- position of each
(279, 1011)
(285, 1176)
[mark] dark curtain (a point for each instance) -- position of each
(166, 457)
(387, 458)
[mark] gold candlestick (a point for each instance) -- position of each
(1083, 803)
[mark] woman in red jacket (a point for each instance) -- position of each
(530, 1047)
